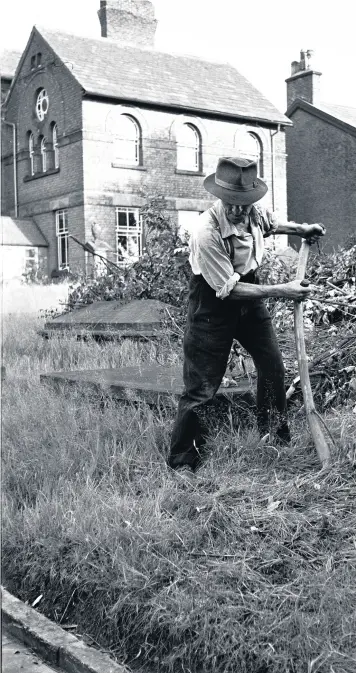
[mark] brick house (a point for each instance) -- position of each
(102, 122)
(321, 149)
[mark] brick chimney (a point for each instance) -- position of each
(129, 22)
(305, 80)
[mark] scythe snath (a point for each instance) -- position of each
(312, 415)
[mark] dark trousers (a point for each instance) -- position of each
(212, 325)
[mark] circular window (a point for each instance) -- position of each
(42, 104)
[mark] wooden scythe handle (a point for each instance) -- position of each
(315, 426)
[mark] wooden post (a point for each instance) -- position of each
(315, 426)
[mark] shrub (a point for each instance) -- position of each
(162, 272)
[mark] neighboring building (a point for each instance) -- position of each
(321, 150)
(23, 248)
(102, 122)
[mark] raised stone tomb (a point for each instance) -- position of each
(138, 318)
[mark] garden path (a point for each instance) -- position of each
(17, 658)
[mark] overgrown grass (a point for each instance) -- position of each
(251, 569)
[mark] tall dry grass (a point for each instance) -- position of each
(251, 569)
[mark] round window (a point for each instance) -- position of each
(42, 104)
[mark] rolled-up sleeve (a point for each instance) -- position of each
(269, 222)
(214, 263)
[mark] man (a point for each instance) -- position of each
(226, 303)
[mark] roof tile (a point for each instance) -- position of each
(344, 113)
(103, 67)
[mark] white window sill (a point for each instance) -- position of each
(134, 167)
(186, 171)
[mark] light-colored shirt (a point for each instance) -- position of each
(209, 255)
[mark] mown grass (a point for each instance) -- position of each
(251, 569)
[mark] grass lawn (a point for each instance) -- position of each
(249, 570)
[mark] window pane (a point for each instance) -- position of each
(61, 221)
(132, 221)
(248, 146)
(188, 148)
(127, 128)
(122, 220)
(128, 248)
(127, 140)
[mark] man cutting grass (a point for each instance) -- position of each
(226, 302)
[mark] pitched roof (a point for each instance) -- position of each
(344, 113)
(21, 232)
(341, 116)
(104, 68)
(9, 61)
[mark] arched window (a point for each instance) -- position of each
(31, 152)
(43, 154)
(55, 145)
(188, 148)
(128, 141)
(249, 146)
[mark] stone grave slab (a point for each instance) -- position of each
(151, 383)
(138, 318)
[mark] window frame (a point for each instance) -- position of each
(31, 151)
(28, 258)
(55, 144)
(137, 233)
(62, 233)
(40, 98)
(137, 143)
(246, 155)
(43, 149)
(196, 149)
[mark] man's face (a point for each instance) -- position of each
(236, 214)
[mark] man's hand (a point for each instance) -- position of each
(312, 231)
(296, 291)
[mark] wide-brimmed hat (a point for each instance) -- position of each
(235, 181)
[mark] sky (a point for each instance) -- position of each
(259, 37)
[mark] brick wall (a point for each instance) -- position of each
(41, 195)
(322, 176)
(110, 185)
(304, 85)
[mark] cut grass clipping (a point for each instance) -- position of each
(250, 569)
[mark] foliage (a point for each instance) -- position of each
(162, 272)
(334, 276)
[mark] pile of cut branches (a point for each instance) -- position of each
(329, 318)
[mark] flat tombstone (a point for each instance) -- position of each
(138, 318)
(151, 383)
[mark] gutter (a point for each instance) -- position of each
(14, 157)
(273, 159)
(90, 95)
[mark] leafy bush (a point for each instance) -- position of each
(162, 272)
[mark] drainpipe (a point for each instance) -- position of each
(273, 164)
(14, 154)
